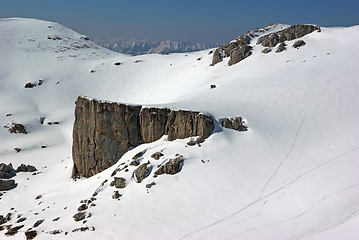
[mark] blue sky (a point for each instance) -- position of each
(181, 20)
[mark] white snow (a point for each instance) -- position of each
(292, 175)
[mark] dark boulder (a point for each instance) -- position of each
(173, 166)
(157, 155)
(281, 47)
(267, 50)
(142, 172)
(26, 168)
(120, 182)
(233, 123)
(7, 185)
(298, 44)
(79, 216)
(38, 222)
(17, 128)
(82, 207)
(29, 85)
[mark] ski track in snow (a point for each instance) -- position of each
(270, 194)
(313, 230)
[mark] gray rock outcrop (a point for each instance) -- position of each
(233, 123)
(104, 131)
(288, 34)
(7, 184)
(142, 172)
(173, 166)
(298, 44)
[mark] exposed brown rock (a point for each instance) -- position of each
(142, 172)
(290, 33)
(173, 166)
(104, 131)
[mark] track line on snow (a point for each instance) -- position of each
(269, 194)
(300, 215)
(291, 149)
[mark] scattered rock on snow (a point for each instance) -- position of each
(30, 234)
(298, 44)
(267, 50)
(79, 216)
(281, 47)
(290, 33)
(120, 182)
(142, 172)
(38, 222)
(157, 155)
(173, 166)
(16, 128)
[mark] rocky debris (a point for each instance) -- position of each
(157, 155)
(79, 216)
(288, 34)
(30, 234)
(150, 185)
(226, 49)
(17, 150)
(55, 232)
(173, 166)
(298, 44)
(213, 86)
(138, 155)
(30, 85)
(38, 197)
(117, 63)
(134, 163)
(267, 50)
(281, 47)
(6, 171)
(26, 168)
(16, 128)
(82, 207)
(191, 142)
(104, 131)
(13, 231)
(142, 172)
(119, 182)
(54, 37)
(38, 222)
(21, 220)
(116, 195)
(8, 114)
(82, 229)
(56, 219)
(233, 123)
(7, 185)
(5, 219)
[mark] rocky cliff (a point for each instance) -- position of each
(104, 131)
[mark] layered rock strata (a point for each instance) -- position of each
(104, 131)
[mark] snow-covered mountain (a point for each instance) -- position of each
(292, 175)
(139, 47)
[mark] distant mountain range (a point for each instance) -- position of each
(138, 47)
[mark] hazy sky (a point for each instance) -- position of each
(181, 20)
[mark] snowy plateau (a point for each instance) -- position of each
(294, 174)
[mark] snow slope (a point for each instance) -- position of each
(292, 175)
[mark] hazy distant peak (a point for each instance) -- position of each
(139, 47)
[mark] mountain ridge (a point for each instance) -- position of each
(140, 47)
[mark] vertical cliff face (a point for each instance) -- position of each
(104, 131)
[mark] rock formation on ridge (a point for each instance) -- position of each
(104, 131)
